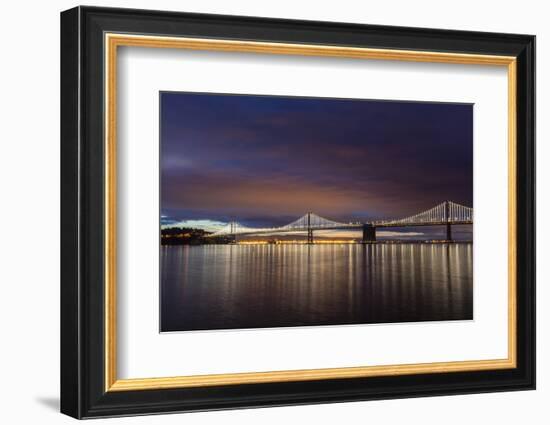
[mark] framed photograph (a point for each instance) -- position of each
(261, 212)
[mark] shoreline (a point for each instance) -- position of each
(443, 242)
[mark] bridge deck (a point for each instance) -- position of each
(436, 223)
(351, 226)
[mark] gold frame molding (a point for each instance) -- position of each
(113, 41)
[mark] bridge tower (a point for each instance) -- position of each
(449, 236)
(369, 233)
(309, 229)
(233, 232)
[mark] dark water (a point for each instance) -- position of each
(253, 286)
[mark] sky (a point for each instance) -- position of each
(267, 160)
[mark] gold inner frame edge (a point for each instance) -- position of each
(112, 41)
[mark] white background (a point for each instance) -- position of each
(29, 172)
(144, 72)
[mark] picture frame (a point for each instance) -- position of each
(90, 40)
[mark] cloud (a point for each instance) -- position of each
(389, 233)
(236, 157)
(273, 197)
(176, 162)
(208, 225)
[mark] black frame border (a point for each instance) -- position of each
(82, 212)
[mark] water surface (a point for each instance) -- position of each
(256, 286)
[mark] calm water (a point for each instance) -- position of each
(251, 286)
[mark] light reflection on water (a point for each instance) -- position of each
(253, 286)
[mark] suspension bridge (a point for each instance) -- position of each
(446, 214)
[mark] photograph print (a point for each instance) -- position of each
(281, 211)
